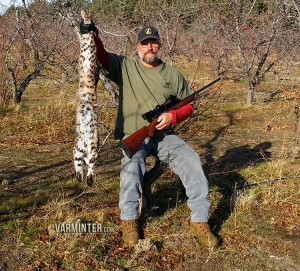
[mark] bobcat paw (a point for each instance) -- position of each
(79, 177)
(90, 180)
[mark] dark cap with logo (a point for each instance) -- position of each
(148, 32)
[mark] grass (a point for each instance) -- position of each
(240, 146)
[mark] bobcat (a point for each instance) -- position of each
(86, 145)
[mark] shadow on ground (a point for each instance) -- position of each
(224, 177)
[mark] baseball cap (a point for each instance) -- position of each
(148, 32)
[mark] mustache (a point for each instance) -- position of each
(150, 51)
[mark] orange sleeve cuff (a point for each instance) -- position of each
(181, 113)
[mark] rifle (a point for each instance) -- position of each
(132, 143)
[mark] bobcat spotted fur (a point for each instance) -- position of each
(86, 145)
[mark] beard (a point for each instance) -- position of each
(152, 59)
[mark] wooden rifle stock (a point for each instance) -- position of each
(132, 143)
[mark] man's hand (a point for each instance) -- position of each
(164, 121)
(87, 28)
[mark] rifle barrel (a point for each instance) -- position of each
(207, 86)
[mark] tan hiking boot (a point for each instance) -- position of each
(130, 230)
(203, 234)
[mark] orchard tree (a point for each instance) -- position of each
(263, 38)
(36, 38)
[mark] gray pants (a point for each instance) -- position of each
(184, 162)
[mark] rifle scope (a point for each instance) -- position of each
(159, 109)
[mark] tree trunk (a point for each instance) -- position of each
(20, 90)
(250, 95)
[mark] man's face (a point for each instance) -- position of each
(149, 50)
